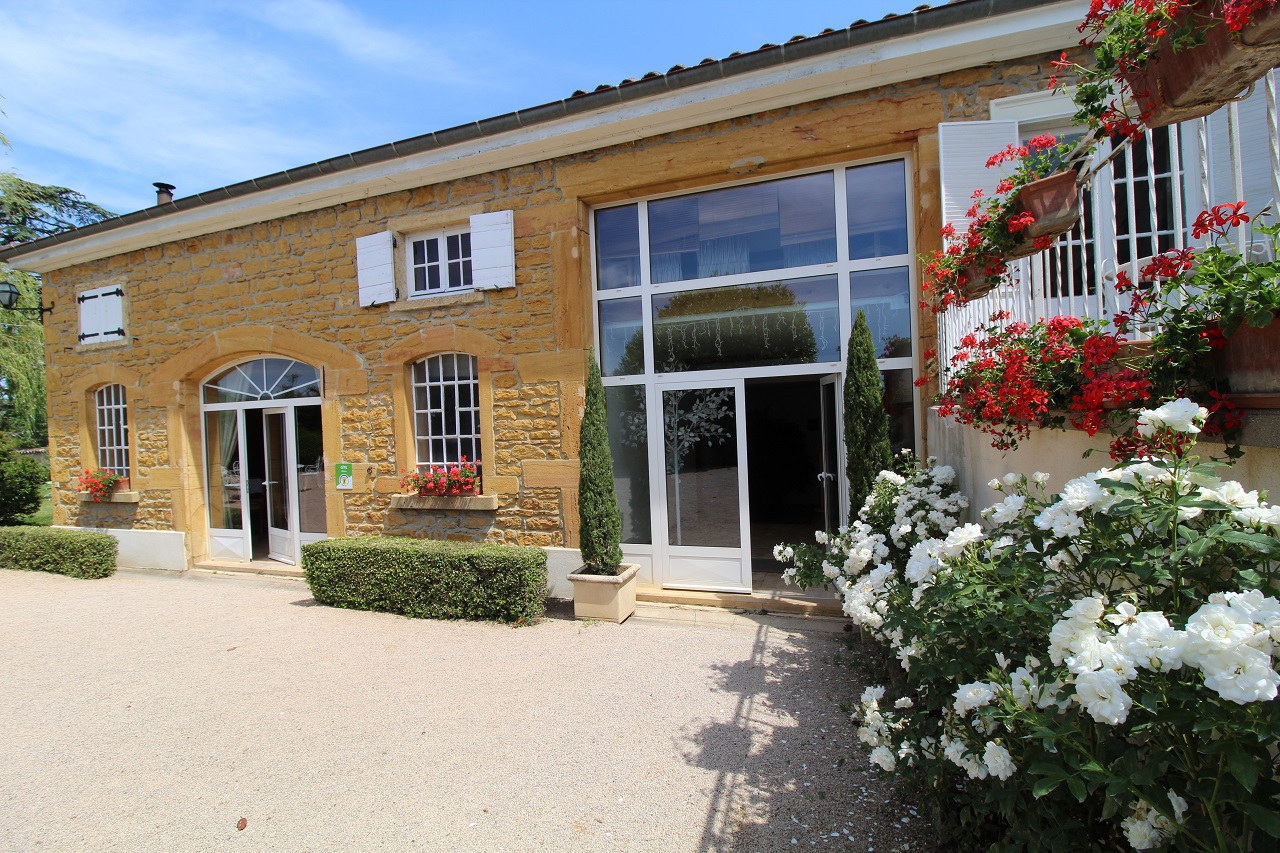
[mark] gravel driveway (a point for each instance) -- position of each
(152, 712)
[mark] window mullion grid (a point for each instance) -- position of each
(113, 441)
(844, 274)
(646, 287)
(473, 409)
(452, 440)
(454, 431)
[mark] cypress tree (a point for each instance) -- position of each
(600, 521)
(866, 423)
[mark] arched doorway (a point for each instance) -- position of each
(264, 460)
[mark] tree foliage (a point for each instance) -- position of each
(600, 519)
(21, 480)
(22, 389)
(30, 211)
(867, 448)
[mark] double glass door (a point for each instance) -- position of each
(266, 482)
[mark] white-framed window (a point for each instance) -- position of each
(446, 409)
(113, 429)
(438, 262)
(479, 255)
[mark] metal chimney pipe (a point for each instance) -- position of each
(164, 192)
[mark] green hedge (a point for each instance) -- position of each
(77, 553)
(428, 579)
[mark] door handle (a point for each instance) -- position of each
(826, 476)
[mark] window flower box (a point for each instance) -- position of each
(1250, 360)
(104, 486)
(481, 503)
(453, 480)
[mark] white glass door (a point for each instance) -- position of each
(228, 486)
(704, 499)
(829, 478)
(277, 435)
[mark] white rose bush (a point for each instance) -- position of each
(1088, 670)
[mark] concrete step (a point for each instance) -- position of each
(773, 602)
(257, 567)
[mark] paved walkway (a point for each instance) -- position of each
(152, 712)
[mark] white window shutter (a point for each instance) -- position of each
(111, 314)
(963, 149)
(375, 269)
(101, 314)
(493, 250)
(90, 327)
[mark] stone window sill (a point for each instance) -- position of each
(443, 300)
(472, 502)
(119, 343)
(125, 497)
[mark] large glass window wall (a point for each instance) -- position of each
(755, 280)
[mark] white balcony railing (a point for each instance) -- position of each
(1140, 201)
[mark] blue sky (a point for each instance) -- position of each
(107, 97)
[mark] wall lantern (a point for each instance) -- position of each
(9, 298)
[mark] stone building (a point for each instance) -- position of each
(711, 231)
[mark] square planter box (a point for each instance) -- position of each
(610, 598)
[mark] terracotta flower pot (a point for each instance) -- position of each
(1191, 83)
(977, 282)
(1250, 359)
(1054, 203)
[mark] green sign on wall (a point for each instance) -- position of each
(343, 473)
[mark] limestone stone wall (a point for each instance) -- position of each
(288, 287)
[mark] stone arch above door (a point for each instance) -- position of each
(345, 370)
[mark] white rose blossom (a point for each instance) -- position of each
(974, 695)
(1181, 415)
(1102, 695)
(998, 761)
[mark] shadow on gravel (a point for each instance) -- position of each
(305, 602)
(788, 765)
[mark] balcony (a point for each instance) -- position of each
(1140, 200)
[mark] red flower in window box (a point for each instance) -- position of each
(438, 480)
(1006, 379)
(100, 483)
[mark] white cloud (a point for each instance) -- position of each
(198, 96)
(86, 85)
(333, 23)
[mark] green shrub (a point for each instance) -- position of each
(428, 579)
(77, 553)
(22, 481)
(1091, 669)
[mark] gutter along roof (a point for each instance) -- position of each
(927, 41)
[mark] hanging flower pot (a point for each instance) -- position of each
(1053, 201)
(977, 281)
(1180, 85)
(1054, 204)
